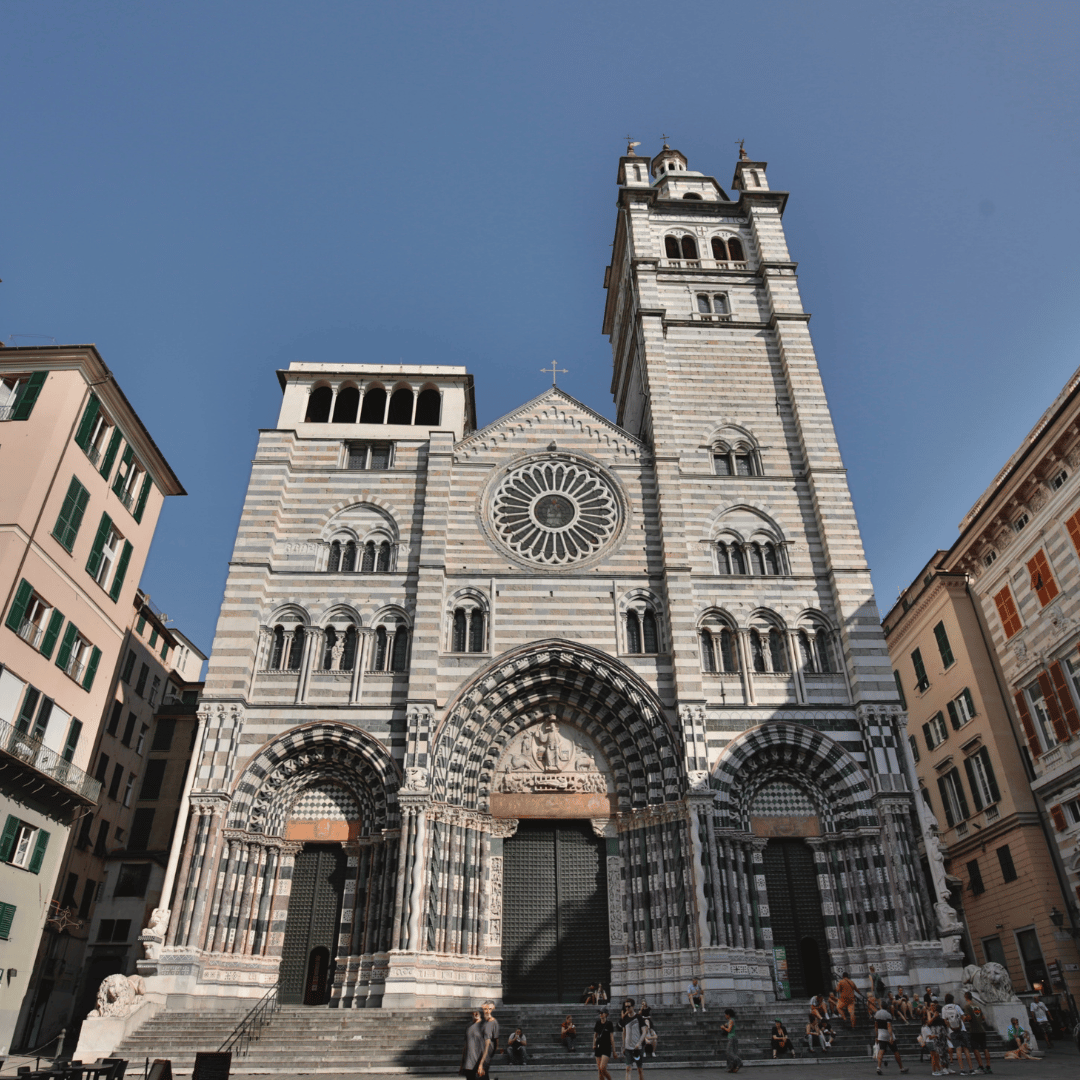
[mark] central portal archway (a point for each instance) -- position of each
(555, 915)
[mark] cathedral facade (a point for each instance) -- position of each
(503, 712)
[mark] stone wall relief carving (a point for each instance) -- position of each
(552, 757)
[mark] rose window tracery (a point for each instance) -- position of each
(554, 512)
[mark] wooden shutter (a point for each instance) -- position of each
(64, 654)
(7, 840)
(954, 716)
(1042, 581)
(93, 564)
(1061, 729)
(74, 731)
(71, 514)
(991, 779)
(118, 483)
(1072, 718)
(48, 642)
(121, 570)
(82, 436)
(955, 773)
(927, 736)
(973, 782)
(1007, 613)
(25, 405)
(7, 913)
(18, 607)
(1073, 525)
(91, 668)
(39, 851)
(1057, 816)
(1027, 724)
(140, 506)
(945, 802)
(110, 454)
(943, 644)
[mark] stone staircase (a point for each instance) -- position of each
(301, 1040)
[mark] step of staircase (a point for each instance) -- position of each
(301, 1040)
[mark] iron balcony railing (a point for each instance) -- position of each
(6, 412)
(36, 755)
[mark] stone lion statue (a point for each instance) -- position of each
(989, 983)
(118, 995)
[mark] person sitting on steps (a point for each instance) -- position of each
(515, 1047)
(695, 994)
(568, 1033)
(781, 1044)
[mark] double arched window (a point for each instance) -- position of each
(467, 630)
(816, 645)
(391, 649)
(683, 248)
(757, 558)
(719, 645)
(339, 648)
(768, 650)
(368, 557)
(349, 404)
(642, 627)
(735, 459)
(727, 249)
(286, 648)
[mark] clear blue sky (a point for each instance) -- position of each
(209, 191)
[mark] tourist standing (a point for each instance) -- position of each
(976, 1025)
(885, 1038)
(1040, 1020)
(602, 1044)
(630, 1025)
(491, 1031)
(958, 1034)
(734, 1062)
(475, 1053)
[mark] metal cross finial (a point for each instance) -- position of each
(743, 156)
(554, 372)
(664, 139)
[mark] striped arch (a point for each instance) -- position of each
(278, 775)
(809, 759)
(584, 688)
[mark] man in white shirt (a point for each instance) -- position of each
(953, 1015)
(1040, 1019)
(695, 993)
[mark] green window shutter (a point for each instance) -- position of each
(944, 792)
(118, 483)
(29, 396)
(970, 701)
(955, 774)
(91, 668)
(7, 841)
(928, 737)
(71, 514)
(7, 913)
(82, 436)
(93, 564)
(121, 570)
(18, 607)
(39, 851)
(943, 644)
(954, 716)
(140, 506)
(73, 739)
(991, 779)
(52, 632)
(110, 454)
(64, 655)
(973, 783)
(900, 689)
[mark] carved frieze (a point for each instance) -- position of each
(549, 758)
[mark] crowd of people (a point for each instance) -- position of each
(950, 1032)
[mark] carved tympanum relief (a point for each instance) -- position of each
(552, 757)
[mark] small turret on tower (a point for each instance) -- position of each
(633, 170)
(749, 175)
(668, 161)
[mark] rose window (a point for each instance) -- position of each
(554, 512)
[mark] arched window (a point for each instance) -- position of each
(823, 650)
(757, 562)
(723, 563)
(401, 406)
(772, 563)
(277, 652)
(476, 631)
(348, 557)
(689, 247)
(348, 657)
(468, 632)
(318, 408)
(738, 559)
(719, 249)
(735, 249)
(428, 407)
(461, 631)
(335, 556)
(380, 649)
(757, 651)
(778, 651)
(815, 648)
(692, 195)
(374, 408)
(708, 654)
(729, 651)
(735, 461)
(806, 653)
(383, 562)
(671, 247)
(642, 633)
(296, 653)
(346, 406)
(400, 657)
(368, 566)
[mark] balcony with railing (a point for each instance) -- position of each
(6, 412)
(31, 633)
(28, 762)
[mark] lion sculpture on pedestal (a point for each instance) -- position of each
(118, 995)
(989, 983)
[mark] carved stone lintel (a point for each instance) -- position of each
(548, 758)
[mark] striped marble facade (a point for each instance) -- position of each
(325, 677)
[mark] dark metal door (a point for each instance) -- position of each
(796, 916)
(318, 883)
(555, 918)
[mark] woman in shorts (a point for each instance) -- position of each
(603, 1034)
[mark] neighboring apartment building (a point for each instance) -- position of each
(83, 484)
(1020, 547)
(114, 865)
(973, 778)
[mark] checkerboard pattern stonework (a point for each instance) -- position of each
(685, 587)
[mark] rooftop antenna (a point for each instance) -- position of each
(554, 372)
